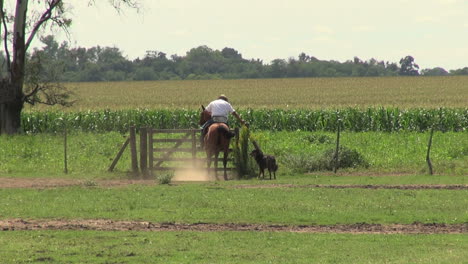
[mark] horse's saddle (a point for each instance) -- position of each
(219, 119)
(213, 120)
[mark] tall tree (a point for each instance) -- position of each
(408, 67)
(437, 71)
(18, 28)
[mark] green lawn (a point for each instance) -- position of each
(356, 178)
(219, 203)
(90, 154)
(403, 152)
(228, 247)
(393, 159)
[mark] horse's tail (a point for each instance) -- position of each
(222, 130)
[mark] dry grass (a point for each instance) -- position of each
(311, 93)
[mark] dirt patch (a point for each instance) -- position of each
(44, 183)
(400, 187)
(36, 182)
(110, 225)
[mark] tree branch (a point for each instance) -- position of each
(5, 37)
(118, 3)
(49, 94)
(46, 16)
(32, 93)
(1, 13)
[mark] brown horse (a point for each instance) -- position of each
(217, 139)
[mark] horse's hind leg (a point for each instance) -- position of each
(226, 153)
(216, 164)
(208, 163)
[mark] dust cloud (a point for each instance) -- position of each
(195, 174)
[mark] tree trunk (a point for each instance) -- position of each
(11, 87)
(10, 116)
(19, 47)
(11, 105)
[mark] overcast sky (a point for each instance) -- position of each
(434, 32)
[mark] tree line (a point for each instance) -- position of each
(66, 64)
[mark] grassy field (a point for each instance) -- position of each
(310, 93)
(220, 203)
(390, 159)
(228, 247)
(90, 154)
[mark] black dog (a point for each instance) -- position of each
(264, 162)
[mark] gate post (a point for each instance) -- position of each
(143, 151)
(150, 150)
(133, 150)
(428, 158)
(194, 147)
(335, 156)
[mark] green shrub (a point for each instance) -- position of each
(458, 153)
(302, 163)
(165, 177)
(242, 160)
(318, 139)
(347, 158)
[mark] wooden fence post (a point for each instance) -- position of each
(65, 158)
(428, 159)
(194, 148)
(133, 150)
(335, 157)
(150, 150)
(143, 151)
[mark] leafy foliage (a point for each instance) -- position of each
(353, 119)
(109, 64)
(347, 158)
(318, 139)
(165, 177)
(244, 164)
(408, 66)
(90, 154)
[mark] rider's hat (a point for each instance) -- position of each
(223, 97)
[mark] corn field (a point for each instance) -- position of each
(292, 93)
(351, 119)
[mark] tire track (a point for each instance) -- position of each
(45, 183)
(354, 186)
(113, 225)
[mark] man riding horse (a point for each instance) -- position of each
(220, 110)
